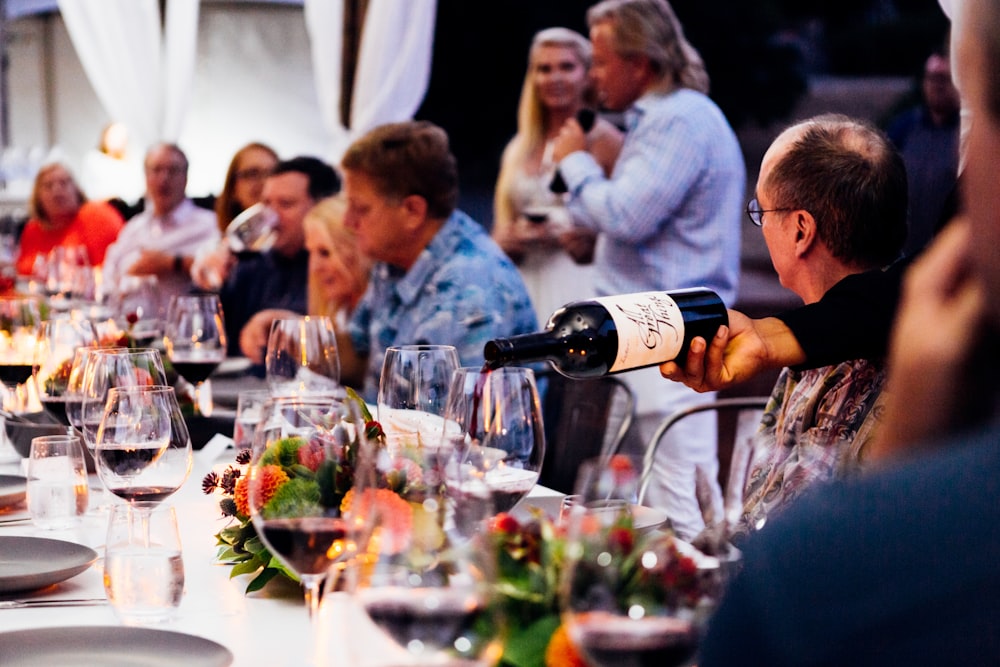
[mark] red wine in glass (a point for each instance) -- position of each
(435, 617)
(307, 544)
(195, 372)
(15, 374)
(656, 641)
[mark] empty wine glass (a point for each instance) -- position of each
(309, 454)
(494, 429)
(427, 577)
(195, 340)
(302, 356)
(20, 320)
(58, 342)
(135, 303)
(630, 597)
(143, 451)
(413, 391)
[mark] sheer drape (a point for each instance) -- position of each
(142, 74)
(393, 67)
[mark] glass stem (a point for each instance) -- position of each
(312, 583)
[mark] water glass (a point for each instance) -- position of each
(143, 568)
(302, 357)
(249, 404)
(57, 482)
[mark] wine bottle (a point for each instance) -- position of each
(616, 333)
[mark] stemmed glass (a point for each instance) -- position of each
(19, 322)
(495, 432)
(136, 305)
(143, 451)
(102, 369)
(195, 340)
(58, 342)
(629, 596)
(310, 456)
(428, 577)
(302, 356)
(413, 390)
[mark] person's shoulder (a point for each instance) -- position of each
(102, 210)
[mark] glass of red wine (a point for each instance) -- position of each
(493, 429)
(143, 451)
(195, 340)
(428, 578)
(58, 342)
(630, 596)
(310, 456)
(20, 320)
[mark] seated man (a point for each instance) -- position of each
(277, 278)
(162, 240)
(831, 203)
(439, 278)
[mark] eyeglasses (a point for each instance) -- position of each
(756, 213)
(253, 174)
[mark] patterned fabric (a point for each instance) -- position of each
(669, 215)
(815, 427)
(461, 291)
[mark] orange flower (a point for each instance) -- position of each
(271, 477)
(560, 652)
(394, 516)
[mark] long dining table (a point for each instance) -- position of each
(270, 627)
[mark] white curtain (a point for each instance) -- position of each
(393, 69)
(142, 74)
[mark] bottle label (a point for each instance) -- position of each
(650, 328)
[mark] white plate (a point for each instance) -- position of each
(27, 563)
(644, 518)
(110, 646)
(12, 490)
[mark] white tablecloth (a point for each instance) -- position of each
(266, 628)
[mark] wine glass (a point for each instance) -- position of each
(143, 451)
(135, 302)
(58, 342)
(19, 322)
(427, 579)
(494, 430)
(302, 356)
(310, 453)
(413, 390)
(630, 596)
(195, 340)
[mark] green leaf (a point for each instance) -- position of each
(526, 647)
(296, 497)
(246, 567)
(258, 582)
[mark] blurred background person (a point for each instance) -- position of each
(530, 221)
(163, 240)
(244, 184)
(61, 215)
(927, 135)
(277, 278)
(668, 217)
(338, 276)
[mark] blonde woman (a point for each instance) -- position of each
(530, 222)
(338, 276)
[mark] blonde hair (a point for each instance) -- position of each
(531, 115)
(327, 218)
(35, 208)
(650, 28)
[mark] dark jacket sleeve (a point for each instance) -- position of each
(852, 320)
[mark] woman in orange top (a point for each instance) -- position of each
(62, 216)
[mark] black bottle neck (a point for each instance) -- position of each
(517, 349)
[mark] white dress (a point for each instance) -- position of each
(550, 274)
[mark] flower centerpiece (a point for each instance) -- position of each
(533, 562)
(290, 474)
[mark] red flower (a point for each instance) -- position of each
(504, 523)
(621, 539)
(310, 455)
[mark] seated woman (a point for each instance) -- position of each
(244, 182)
(62, 216)
(831, 203)
(338, 276)
(530, 222)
